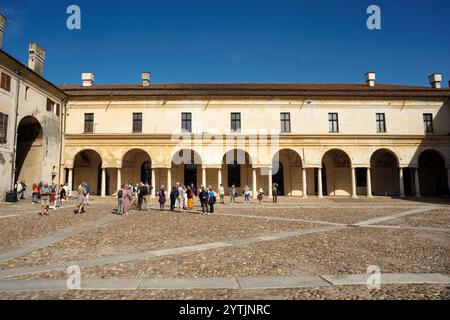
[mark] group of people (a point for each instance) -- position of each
(50, 196)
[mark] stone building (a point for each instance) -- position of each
(31, 114)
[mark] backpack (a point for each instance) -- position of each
(120, 194)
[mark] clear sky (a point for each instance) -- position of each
(234, 40)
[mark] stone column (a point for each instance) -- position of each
(169, 180)
(305, 194)
(416, 182)
(369, 183)
(354, 183)
(254, 186)
(270, 183)
(119, 178)
(219, 178)
(70, 181)
(204, 177)
(103, 190)
(319, 182)
(153, 183)
(401, 183)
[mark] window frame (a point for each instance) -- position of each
(5, 82)
(137, 122)
(90, 122)
(381, 123)
(235, 122)
(186, 122)
(4, 128)
(333, 123)
(285, 122)
(428, 122)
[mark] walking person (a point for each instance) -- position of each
(19, 189)
(247, 195)
(44, 195)
(127, 196)
(88, 193)
(173, 198)
(221, 194)
(53, 196)
(275, 193)
(211, 199)
(190, 198)
(260, 194)
(233, 194)
(81, 198)
(62, 196)
(162, 198)
(203, 195)
(120, 201)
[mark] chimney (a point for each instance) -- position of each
(370, 79)
(435, 80)
(2, 28)
(36, 58)
(145, 76)
(87, 78)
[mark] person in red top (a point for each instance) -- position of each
(35, 193)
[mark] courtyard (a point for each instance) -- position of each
(296, 249)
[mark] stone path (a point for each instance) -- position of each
(249, 283)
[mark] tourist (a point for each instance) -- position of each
(211, 199)
(203, 195)
(88, 193)
(143, 197)
(275, 193)
(194, 190)
(19, 189)
(35, 193)
(260, 194)
(179, 197)
(247, 194)
(52, 196)
(68, 190)
(44, 195)
(190, 198)
(185, 198)
(173, 198)
(149, 196)
(62, 196)
(127, 196)
(24, 189)
(221, 194)
(120, 201)
(233, 194)
(81, 198)
(162, 198)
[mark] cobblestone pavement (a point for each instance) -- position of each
(297, 237)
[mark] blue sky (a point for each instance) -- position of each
(234, 41)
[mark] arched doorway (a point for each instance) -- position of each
(432, 174)
(186, 167)
(136, 167)
(384, 173)
(336, 173)
(30, 151)
(87, 167)
(237, 170)
(287, 172)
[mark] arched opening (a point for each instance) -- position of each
(30, 151)
(87, 167)
(237, 170)
(336, 173)
(287, 172)
(384, 173)
(186, 168)
(432, 174)
(136, 167)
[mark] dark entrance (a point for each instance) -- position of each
(146, 172)
(190, 174)
(279, 179)
(407, 174)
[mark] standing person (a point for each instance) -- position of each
(143, 195)
(120, 201)
(127, 196)
(173, 198)
(275, 192)
(211, 199)
(260, 194)
(81, 198)
(35, 193)
(221, 194)
(44, 194)
(185, 198)
(18, 188)
(190, 197)
(62, 196)
(233, 194)
(68, 190)
(247, 194)
(203, 195)
(24, 189)
(88, 193)
(149, 196)
(179, 197)
(53, 196)
(194, 190)
(162, 198)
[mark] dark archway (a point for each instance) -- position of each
(87, 168)
(186, 165)
(278, 178)
(136, 167)
(336, 173)
(432, 174)
(384, 169)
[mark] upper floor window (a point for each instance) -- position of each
(3, 127)
(235, 122)
(428, 122)
(137, 122)
(285, 122)
(381, 122)
(5, 82)
(88, 123)
(333, 122)
(186, 122)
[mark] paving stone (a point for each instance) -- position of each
(281, 282)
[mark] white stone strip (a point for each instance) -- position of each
(393, 216)
(232, 283)
(281, 219)
(431, 229)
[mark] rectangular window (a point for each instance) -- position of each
(361, 177)
(333, 122)
(137, 122)
(186, 122)
(58, 109)
(235, 122)
(285, 122)
(88, 123)
(428, 122)
(3, 127)
(381, 122)
(50, 105)
(5, 82)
